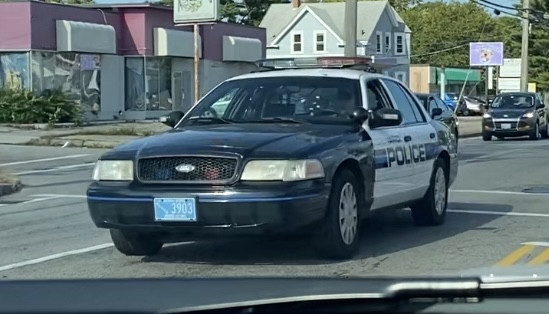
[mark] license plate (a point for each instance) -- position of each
(505, 125)
(175, 209)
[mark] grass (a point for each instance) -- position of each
(6, 178)
(120, 131)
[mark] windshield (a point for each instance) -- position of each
(513, 102)
(305, 99)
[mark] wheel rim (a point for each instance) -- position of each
(440, 191)
(348, 213)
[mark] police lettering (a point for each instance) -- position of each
(405, 154)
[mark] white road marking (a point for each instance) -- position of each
(56, 256)
(37, 200)
(536, 243)
(499, 192)
(59, 195)
(43, 159)
(496, 213)
(89, 164)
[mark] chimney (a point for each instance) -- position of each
(296, 3)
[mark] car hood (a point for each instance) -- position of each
(509, 113)
(249, 140)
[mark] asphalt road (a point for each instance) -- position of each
(498, 214)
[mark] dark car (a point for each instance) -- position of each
(297, 151)
(515, 114)
(447, 115)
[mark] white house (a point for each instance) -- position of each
(317, 29)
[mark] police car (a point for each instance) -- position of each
(292, 149)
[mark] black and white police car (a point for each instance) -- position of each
(291, 149)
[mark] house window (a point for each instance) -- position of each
(399, 44)
(297, 42)
(401, 76)
(379, 42)
(387, 42)
(320, 41)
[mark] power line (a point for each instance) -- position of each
(439, 51)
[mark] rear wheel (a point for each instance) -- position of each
(431, 210)
(135, 244)
(339, 235)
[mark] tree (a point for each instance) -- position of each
(441, 32)
(399, 5)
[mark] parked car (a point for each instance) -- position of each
(447, 116)
(515, 114)
(470, 105)
(451, 99)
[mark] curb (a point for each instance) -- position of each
(6, 189)
(470, 135)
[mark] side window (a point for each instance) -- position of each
(402, 103)
(432, 104)
(375, 96)
(442, 105)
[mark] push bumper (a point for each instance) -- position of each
(260, 209)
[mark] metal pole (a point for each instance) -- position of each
(196, 64)
(442, 83)
(524, 48)
(486, 85)
(350, 28)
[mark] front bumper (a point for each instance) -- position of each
(254, 209)
(508, 127)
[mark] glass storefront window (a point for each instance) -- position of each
(135, 84)
(78, 75)
(14, 70)
(159, 83)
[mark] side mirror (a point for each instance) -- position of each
(359, 115)
(385, 117)
(540, 105)
(172, 118)
(435, 112)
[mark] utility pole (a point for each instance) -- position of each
(524, 48)
(350, 28)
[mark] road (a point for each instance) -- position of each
(498, 215)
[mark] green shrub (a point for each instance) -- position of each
(23, 106)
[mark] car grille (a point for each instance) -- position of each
(204, 169)
(513, 124)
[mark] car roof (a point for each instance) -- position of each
(313, 72)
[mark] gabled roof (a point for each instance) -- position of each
(281, 18)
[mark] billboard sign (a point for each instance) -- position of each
(195, 11)
(486, 54)
(510, 68)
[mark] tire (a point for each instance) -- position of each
(545, 132)
(135, 244)
(486, 137)
(534, 135)
(431, 210)
(456, 136)
(330, 242)
(465, 112)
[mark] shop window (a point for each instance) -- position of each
(135, 84)
(14, 71)
(159, 83)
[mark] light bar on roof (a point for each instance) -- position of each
(320, 62)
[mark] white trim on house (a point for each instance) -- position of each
(401, 76)
(391, 12)
(387, 40)
(293, 42)
(403, 43)
(379, 42)
(292, 23)
(316, 42)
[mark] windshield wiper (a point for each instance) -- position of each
(211, 119)
(278, 120)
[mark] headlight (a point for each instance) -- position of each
(486, 115)
(528, 115)
(282, 170)
(113, 170)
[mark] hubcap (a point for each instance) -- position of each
(348, 213)
(440, 191)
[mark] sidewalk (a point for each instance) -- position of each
(114, 134)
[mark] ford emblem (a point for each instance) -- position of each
(185, 168)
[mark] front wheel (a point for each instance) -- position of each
(339, 234)
(486, 137)
(545, 132)
(135, 244)
(534, 134)
(431, 210)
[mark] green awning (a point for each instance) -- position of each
(459, 75)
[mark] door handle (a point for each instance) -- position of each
(432, 135)
(407, 138)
